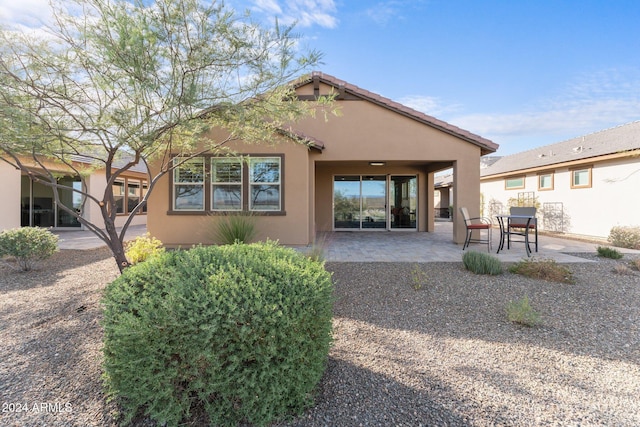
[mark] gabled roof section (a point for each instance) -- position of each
(345, 90)
(606, 142)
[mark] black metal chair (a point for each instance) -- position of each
(518, 226)
(476, 224)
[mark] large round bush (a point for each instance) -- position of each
(239, 331)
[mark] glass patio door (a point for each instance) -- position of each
(360, 202)
(403, 201)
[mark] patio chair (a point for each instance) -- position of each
(518, 226)
(476, 224)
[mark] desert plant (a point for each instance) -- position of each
(625, 237)
(239, 332)
(234, 228)
(622, 269)
(28, 245)
(545, 269)
(522, 312)
(418, 277)
(607, 252)
(142, 247)
(636, 264)
(481, 263)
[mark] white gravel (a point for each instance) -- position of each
(438, 351)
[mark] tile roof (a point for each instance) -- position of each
(609, 141)
(485, 145)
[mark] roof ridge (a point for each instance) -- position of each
(489, 145)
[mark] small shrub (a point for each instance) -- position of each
(636, 264)
(481, 263)
(28, 245)
(543, 269)
(418, 277)
(521, 312)
(622, 269)
(234, 228)
(607, 252)
(238, 332)
(625, 237)
(142, 247)
(317, 248)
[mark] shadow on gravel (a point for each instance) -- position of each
(350, 395)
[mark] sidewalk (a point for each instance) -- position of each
(83, 239)
(392, 246)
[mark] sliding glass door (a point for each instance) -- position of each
(370, 202)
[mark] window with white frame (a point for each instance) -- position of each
(188, 184)
(226, 184)
(264, 183)
(235, 184)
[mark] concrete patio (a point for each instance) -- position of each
(397, 246)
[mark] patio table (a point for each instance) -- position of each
(504, 222)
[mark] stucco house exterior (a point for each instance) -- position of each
(370, 169)
(583, 186)
(26, 202)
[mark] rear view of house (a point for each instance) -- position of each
(371, 168)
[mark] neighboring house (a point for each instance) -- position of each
(582, 186)
(371, 168)
(26, 202)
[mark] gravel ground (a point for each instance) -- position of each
(415, 344)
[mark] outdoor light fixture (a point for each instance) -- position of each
(376, 163)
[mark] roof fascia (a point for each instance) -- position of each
(569, 164)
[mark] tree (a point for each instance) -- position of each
(121, 84)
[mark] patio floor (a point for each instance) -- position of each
(396, 246)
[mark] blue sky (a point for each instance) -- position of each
(521, 73)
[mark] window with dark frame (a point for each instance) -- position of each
(249, 183)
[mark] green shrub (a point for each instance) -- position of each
(521, 312)
(28, 245)
(546, 269)
(234, 228)
(607, 252)
(625, 237)
(481, 263)
(142, 247)
(239, 332)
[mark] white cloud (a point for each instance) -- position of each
(25, 13)
(305, 13)
(593, 102)
(429, 105)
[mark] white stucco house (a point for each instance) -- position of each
(583, 186)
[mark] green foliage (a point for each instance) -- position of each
(546, 269)
(607, 252)
(481, 263)
(234, 228)
(142, 247)
(522, 312)
(418, 277)
(28, 245)
(148, 80)
(239, 332)
(625, 237)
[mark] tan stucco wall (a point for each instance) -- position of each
(363, 132)
(10, 196)
(368, 132)
(293, 228)
(610, 201)
(96, 184)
